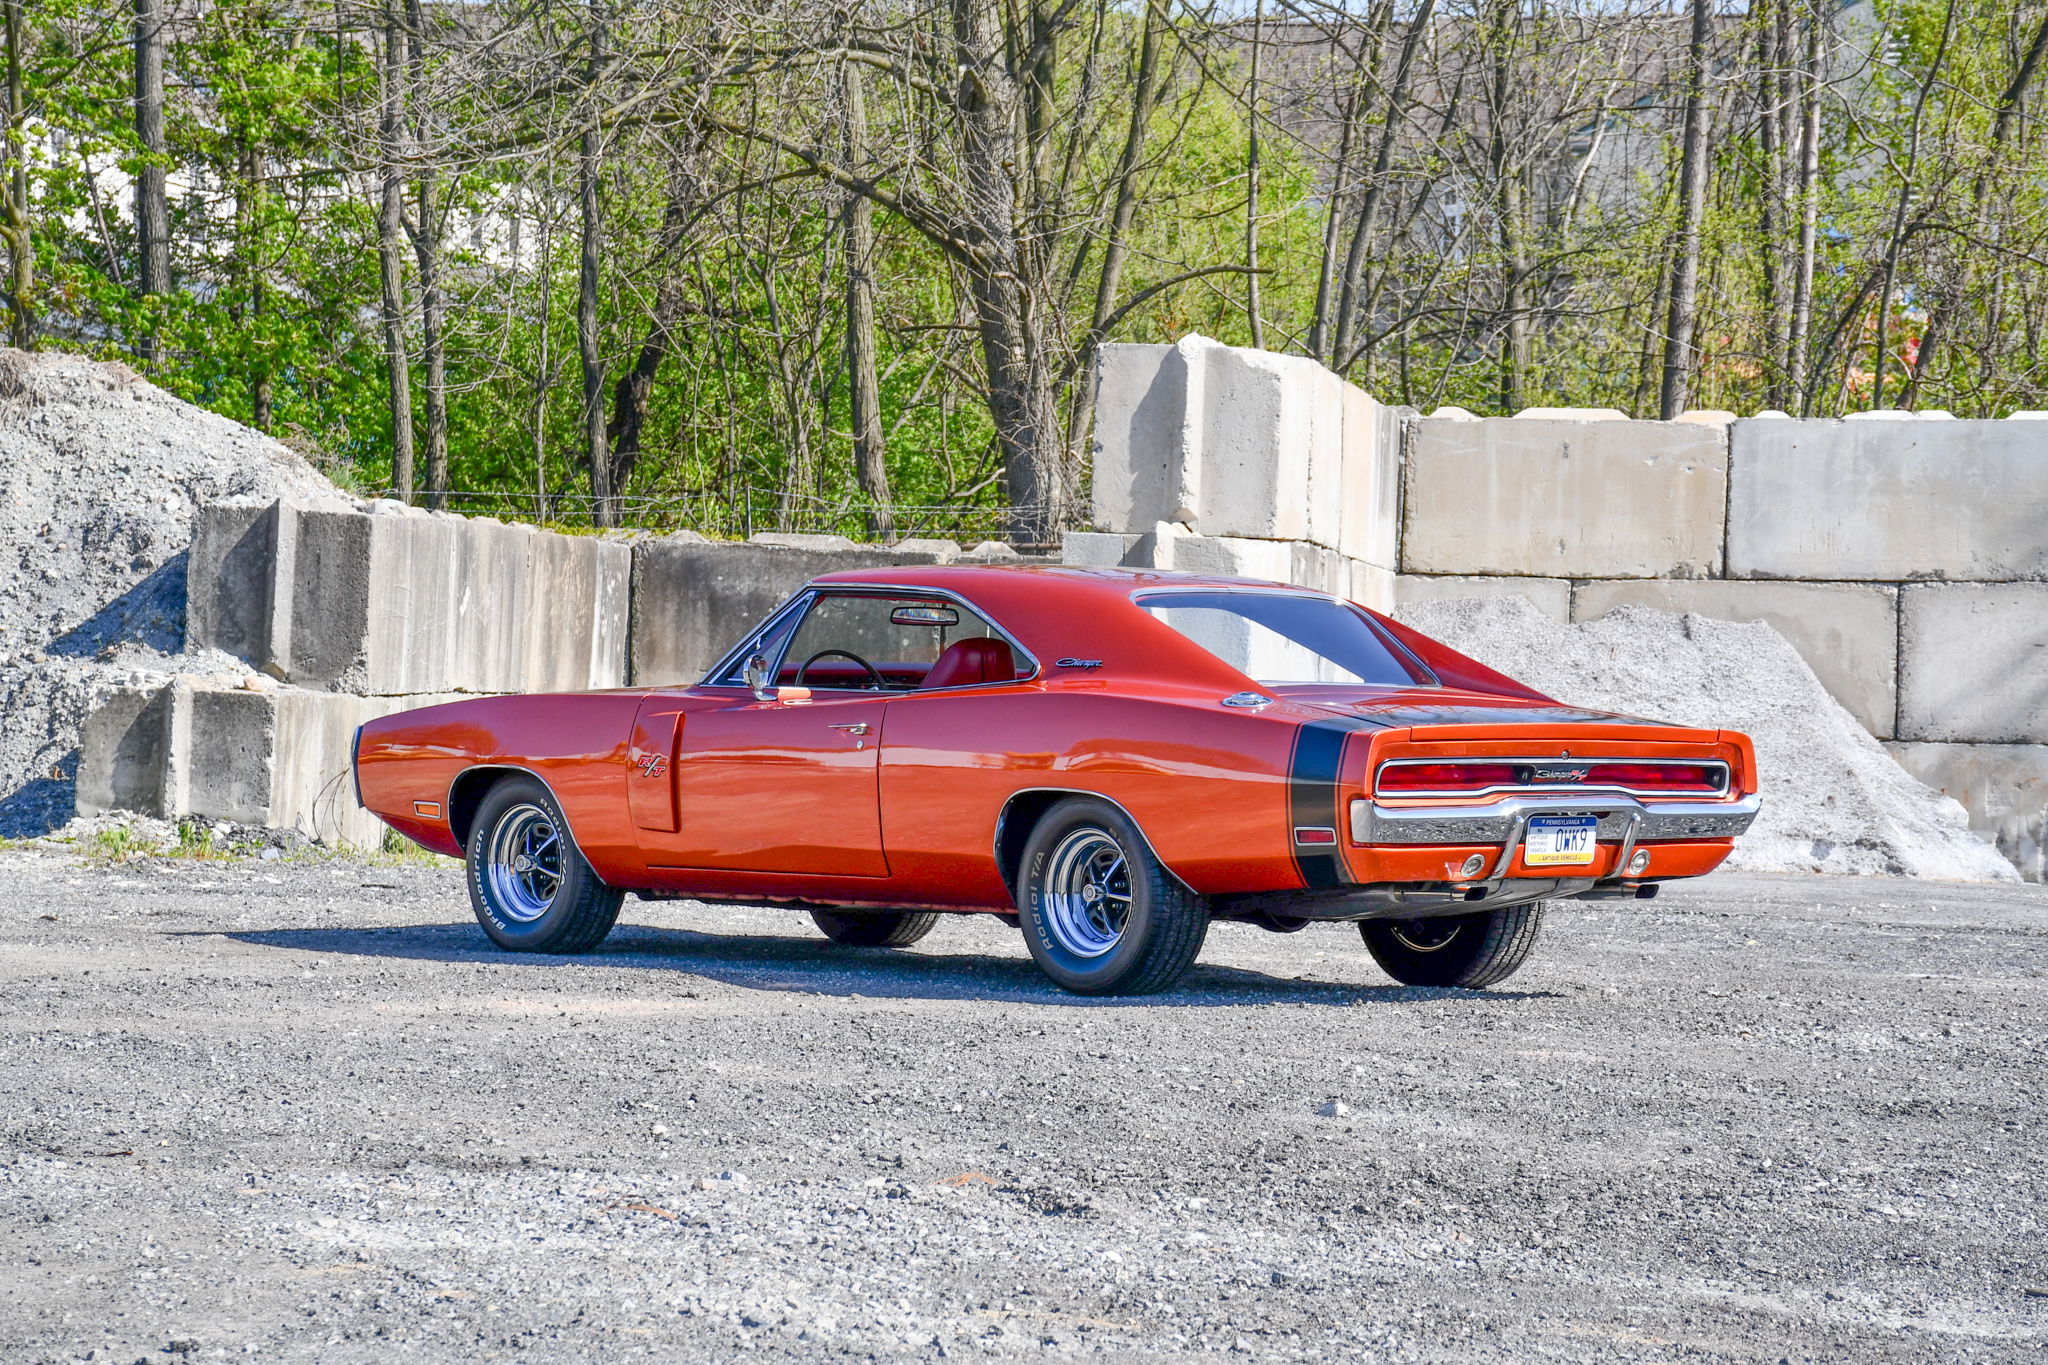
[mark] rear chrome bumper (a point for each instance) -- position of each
(1623, 820)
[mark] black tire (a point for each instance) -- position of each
(883, 929)
(1472, 951)
(1162, 923)
(510, 902)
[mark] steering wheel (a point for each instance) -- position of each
(881, 683)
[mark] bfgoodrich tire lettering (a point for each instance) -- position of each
(529, 885)
(1471, 951)
(1100, 914)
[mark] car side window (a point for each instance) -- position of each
(894, 643)
(768, 640)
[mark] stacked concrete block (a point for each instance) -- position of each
(1889, 499)
(2003, 786)
(1562, 497)
(694, 599)
(1551, 596)
(397, 601)
(1848, 633)
(1212, 459)
(278, 757)
(1975, 662)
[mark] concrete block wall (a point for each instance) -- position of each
(398, 601)
(1216, 459)
(364, 612)
(278, 756)
(1904, 556)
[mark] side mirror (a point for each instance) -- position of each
(760, 679)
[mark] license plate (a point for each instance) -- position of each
(1560, 840)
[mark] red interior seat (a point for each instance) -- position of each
(978, 660)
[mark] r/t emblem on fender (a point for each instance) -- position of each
(652, 765)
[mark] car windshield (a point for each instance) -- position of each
(1281, 638)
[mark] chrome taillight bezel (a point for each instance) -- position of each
(1523, 788)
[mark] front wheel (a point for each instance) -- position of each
(1471, 951)
(884, 929)
(529, 885)
(1100, 914)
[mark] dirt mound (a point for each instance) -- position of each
(100, 473)
(1834, 800)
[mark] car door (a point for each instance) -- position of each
(779, 786)
(788, 782)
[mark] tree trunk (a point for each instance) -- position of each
(1251, 185)
(1807, 197)
(249, 251)
(1694, 161)
(426, 246)
(14, 222)
(864, 388)
(1509, 210)
(1344, 353)
(1019, 376)
(596, 449)
(1116, 246)
(391, 249)
(1772, 58)
(152, 209)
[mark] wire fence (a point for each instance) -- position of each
(742, 511)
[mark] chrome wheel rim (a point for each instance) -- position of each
(1425, 936)
(523, 865)
(1086, 900)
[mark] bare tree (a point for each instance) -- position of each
(152, 210)
(1695, 163)
(864, 390)
(389, 47)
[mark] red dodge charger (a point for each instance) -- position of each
(1107, 758)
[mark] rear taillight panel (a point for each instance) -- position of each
(1481, 777)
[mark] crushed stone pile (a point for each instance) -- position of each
(100, 474)
(1834, 800)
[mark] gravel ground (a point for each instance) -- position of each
(294, 1110)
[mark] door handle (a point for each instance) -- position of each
(859, 727)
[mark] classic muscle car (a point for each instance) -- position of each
(1109, 759)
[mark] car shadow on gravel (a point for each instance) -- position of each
(815, 967)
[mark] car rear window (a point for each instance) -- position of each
(1281, 638)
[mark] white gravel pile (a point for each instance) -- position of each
(100, 473)
(1834, 800)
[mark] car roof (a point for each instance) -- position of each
(1079, 580)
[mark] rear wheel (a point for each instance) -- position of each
(529, 885)
(1471, 951)
(1100, 914)
(884, 929)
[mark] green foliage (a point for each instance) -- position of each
(273, 320)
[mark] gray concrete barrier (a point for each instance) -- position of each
(1551, 596)
(1237, 444)
(279, 757)
(2003, 786)
(397, 601)
(1899, 499)
(1848, 633)
(1553, 498)
(1973, 664)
